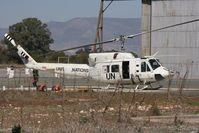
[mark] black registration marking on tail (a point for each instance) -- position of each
(9, 38)
(24, 55)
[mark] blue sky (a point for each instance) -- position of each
(13, 11)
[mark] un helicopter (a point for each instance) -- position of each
(108, 67)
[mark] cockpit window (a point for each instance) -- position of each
(154, 63)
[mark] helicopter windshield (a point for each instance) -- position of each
(154, 63)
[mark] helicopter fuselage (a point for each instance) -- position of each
(136, 71)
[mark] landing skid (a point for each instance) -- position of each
(148, 87)
(153, 88)
(138, 87)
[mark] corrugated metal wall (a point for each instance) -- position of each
(178, 47)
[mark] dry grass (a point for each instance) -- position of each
(85, 111)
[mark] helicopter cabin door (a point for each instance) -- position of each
(125, 70)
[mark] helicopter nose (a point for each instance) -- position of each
(164, 73)
(159, 77)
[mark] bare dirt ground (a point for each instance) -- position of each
(98, 112)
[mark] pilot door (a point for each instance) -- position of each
(143, 71)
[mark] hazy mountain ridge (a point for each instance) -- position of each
(79, 31)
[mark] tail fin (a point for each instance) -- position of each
(25, 57)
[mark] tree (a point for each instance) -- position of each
(3, 52)
(82, 56)
(53, 57)
(33, 36)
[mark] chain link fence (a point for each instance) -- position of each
(23, 79)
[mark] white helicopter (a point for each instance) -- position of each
(107, 67)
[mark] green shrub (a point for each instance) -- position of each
(16, 129)
(83, 119)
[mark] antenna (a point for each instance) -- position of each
(122, 40)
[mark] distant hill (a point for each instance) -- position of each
(80, 31)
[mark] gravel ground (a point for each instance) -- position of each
(96, 112)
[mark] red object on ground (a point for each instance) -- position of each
(56, 88)
(42, 87)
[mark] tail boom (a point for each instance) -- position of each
(25, 57)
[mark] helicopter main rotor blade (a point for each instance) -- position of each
(170, 26)
(121, 38)
(88, 45)
(119, 0)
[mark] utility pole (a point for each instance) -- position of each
(99, 30)
(100, 23)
